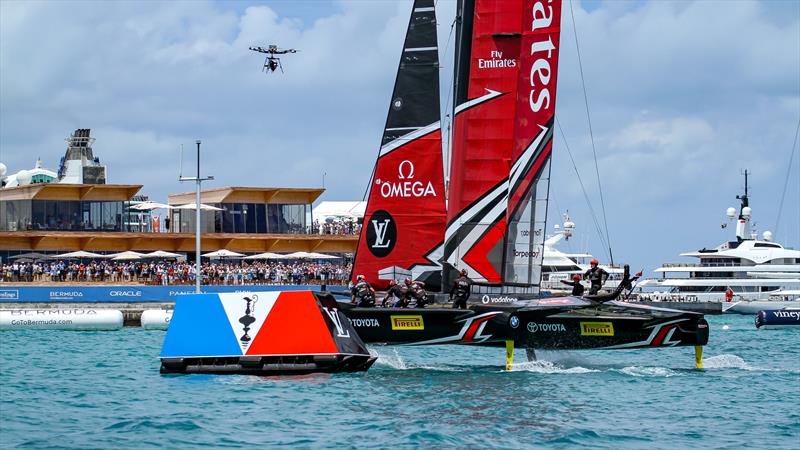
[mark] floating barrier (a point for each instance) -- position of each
(778, 318)
(261, 333)
(156, 319)
(61, 319)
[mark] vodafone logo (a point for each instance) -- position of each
(407, 186)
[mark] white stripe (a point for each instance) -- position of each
(525, 158)
(430, 8)
(393, 145)
(491, 94)
(403, 128)
(420, 49)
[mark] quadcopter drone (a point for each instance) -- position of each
(272, 62)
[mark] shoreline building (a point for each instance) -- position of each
(76, 209)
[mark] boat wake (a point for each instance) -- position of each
(543, 366)
(727, 361)
(393, 360)
(648, 371)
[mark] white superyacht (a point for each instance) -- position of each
(747, 274)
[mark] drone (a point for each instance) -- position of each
(272, 62)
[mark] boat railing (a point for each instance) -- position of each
(667, 265)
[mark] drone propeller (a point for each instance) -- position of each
(271, 62)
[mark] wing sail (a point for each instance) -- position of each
(405, 215)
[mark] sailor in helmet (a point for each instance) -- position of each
(362, 293)
(395, 291)
(415, 290)
(597, 276)
(459, 293)
(577, 287)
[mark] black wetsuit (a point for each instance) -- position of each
(577, 287)
(416, 291)
(364, 295)
(597, 277)
(394, 291)
(459, 293)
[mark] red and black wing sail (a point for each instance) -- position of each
(506, 71)
(405, 216)
(528, 181)
(487, 70)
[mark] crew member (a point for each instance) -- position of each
(459, 293)
(597, 276)
(577, 287)
(728, 294)
(395, 291)
(362, 292)
(415, 290)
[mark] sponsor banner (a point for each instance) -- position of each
(365, 323)
(115, 294)
(534, 327)
(597, 329)
(487, 299)
(407, 323)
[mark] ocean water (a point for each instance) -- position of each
(62, 389)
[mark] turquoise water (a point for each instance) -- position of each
(62, 389)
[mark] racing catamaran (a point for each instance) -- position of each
(504, 111)
(492, 224)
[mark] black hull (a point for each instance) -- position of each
(601, 327)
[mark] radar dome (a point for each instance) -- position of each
(2, 170)
(23, 177)
(767, 235)
(569, 225)
(746, 211)
(731, 213)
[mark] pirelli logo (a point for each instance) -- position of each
(407, 323)
(597, 329)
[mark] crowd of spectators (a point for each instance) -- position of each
(340, 227)
(177, 272)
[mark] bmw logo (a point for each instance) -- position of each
(514, 322)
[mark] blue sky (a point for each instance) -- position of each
(683, 96)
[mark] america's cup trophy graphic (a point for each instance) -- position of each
(247, 319)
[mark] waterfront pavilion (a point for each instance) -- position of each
(57, 218)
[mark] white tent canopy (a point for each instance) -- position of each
(299, 255)
(339, 209)
(223, 254)
(79, 254)
(149, 206)
(266, 255)
(322, 256)
(126, 256)
(162, 254)
(203, 207)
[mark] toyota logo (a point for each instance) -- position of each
(533, 327)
